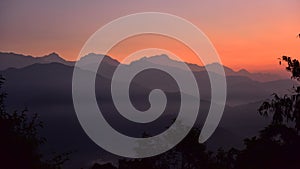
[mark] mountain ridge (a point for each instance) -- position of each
(10, 59)
(47, 88)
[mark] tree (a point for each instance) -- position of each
(19, 143)
(278, 145)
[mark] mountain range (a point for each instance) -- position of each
(12, 60)
(44, 85)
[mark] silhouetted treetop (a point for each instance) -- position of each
(20, 142)
(293, 66)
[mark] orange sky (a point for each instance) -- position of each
(246, 34)
(139, 42)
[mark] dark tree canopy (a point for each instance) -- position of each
(20, 142)
(293, 66)
(278, 145)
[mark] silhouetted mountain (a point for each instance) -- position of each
(12, 60)
(92, 58)
(262, 77)
(46, 88)
(241, 89)
(166, 61)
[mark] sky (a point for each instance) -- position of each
(246, 34)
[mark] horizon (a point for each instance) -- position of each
(276, 71)
(249, 40)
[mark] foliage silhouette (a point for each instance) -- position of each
(188, 154)
(19, 143)
(278, 145)
(103, 166)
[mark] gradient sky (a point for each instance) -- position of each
(247, 34)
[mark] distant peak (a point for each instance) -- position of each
(243, 71)
(154, 57)
(214, 64)
(160, 56)
(94, 58)
(53, 55)
(93, 55)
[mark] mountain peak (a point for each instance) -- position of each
(93, 58)
(243, 71)
(164, 56)
(8, 60)
(215, 64)
(157, 59)
(53, 54)
(52, 57)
